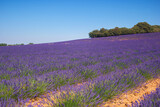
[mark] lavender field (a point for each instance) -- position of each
(105, 67)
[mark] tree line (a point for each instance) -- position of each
(141, 27)
(4, 44)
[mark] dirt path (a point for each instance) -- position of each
(126, 99)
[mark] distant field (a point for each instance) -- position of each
(104, 67)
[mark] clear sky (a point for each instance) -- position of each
(43, 21)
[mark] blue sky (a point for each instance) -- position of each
(43, 21)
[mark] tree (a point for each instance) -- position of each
(3, 44)
(92, 34)
(30, 43)
(102, 30)
(114, 32)
(96, 33)
(142, 27)
(106, 33)
(125, 31)
(156, 28)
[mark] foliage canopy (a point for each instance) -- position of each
(141, 27)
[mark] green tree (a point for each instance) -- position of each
(92, 34)
(3, 44)
(96, 33)
(30, 43)
(102, 30)
(106, 33)
(156, 28)
(142, 27)
(114, 32)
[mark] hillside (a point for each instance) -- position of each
(84, 72)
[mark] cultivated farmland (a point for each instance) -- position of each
(84, 73)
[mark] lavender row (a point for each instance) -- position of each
(151, 100)
(103, 88)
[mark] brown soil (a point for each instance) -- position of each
(126, 99)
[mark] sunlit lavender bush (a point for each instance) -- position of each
(108, 66)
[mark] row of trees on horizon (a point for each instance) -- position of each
(141, 27)
(4, 44)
